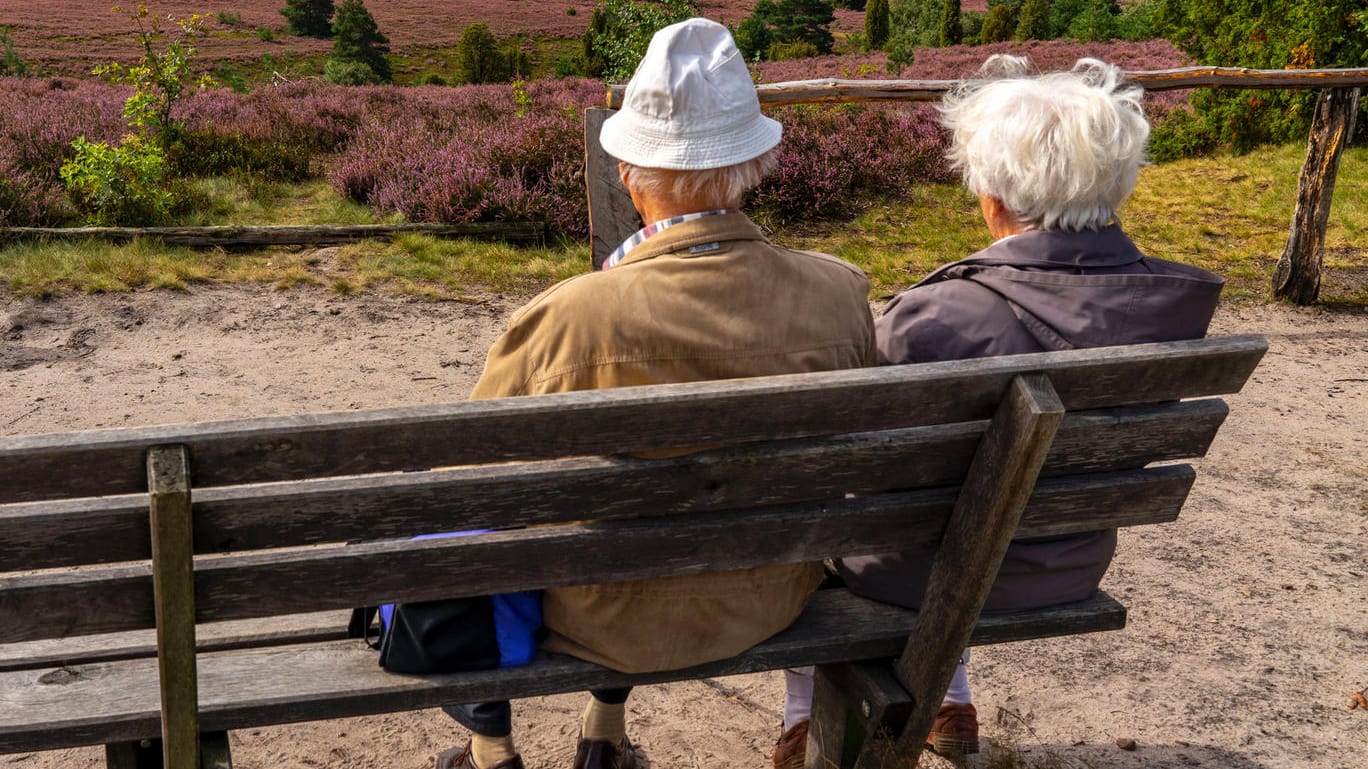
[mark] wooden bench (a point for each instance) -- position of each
(806, 467)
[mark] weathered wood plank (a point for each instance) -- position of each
(847, 91)
(173, 590)
(114, 702)
(618, 420)
(1297, 276)
(987, 512)
(237, 236)
(265, 584)
(612, 214)
(209, 637)
(109, 529)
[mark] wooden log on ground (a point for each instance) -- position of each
(836, 90)
(285, 235)
(1297, 277)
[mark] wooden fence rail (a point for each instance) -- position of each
(826, 91)
(229, 236)
(612, 217)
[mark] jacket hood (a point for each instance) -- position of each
(1124, 297)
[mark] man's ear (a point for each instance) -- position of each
(622, 172)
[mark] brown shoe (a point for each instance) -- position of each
(955, 731)
(464, 758)
(791, 750)
(605, 754)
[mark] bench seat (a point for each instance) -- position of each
(109, 702)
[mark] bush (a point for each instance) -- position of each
(951, 27)
(228, 18)
(876, 24)
(229, 152)
(834, 157)
(308, 18)
(789, 51)
(10, 62)
(430, 78)
(265, 34)
(340, 72)
(120, 185)
(999, 25)
(357, 39)
(753, 37)
(620, 30)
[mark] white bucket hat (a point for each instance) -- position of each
(690, 105)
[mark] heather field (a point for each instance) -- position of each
(475, 153)
(69, 37)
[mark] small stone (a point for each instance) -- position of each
(1125, 743)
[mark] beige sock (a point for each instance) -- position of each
(604, 722)
(488, 751)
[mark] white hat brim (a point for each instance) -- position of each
(627, 139)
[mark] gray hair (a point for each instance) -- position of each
(1061, 151)
(725, 185)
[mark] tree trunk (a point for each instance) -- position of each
(1297, 277)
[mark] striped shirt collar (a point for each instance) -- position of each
(642, 234)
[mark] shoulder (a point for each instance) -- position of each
(945, 320)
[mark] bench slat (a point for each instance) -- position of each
(109, 599)
(113, 702)
(209, 637)
(110, 529)
(618, 420)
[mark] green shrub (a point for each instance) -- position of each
(999, 25)
(357, 39)
(753, 37)
(876, 24)
(951, 28)
(123, 185)
(210, 153)
(570, 65)
(623, 28)
(228, 18)
(265, 34)
(343, 72)
(308, 18)
(786, 51)
(10, 62)
(430, 78)
(1034, 22)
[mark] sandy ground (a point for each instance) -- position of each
(1249, 617)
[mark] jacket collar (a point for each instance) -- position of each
(1107, 247)
(696, 234)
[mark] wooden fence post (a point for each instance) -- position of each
(1297, 277)
(612, 215)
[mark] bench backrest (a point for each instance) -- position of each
(273, 497)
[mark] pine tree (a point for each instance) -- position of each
(308, 18)
(799, 21)
(876, 23)
(1035, 21)
(951, 32)
(357, 38)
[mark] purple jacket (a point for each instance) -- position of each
(1034, 292)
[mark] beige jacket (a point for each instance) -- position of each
(706, 299)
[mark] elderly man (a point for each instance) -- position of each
(1050, 159)
(697, 294)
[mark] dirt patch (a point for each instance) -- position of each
(1248, 628)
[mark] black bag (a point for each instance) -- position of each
(454, 634)
(446, 636)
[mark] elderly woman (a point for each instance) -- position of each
(1050, 158)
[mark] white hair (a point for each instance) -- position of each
(724, 185)
(1061, 151)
